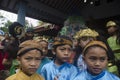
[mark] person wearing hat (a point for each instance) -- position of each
(113, 28)
(16, 30)
(59, 69)
(95, 55)
(83, 36)
(43, 42)
(29, 56)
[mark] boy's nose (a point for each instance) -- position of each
(66, 52)
(97, 63)
(33, 63)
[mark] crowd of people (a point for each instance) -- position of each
(85, 56)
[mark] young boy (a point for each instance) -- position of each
(113, 28)
(59, 69)
(29, 56)
(95, 55)
(84, 36)
(44, 46)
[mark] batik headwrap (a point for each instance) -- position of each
(27, 46)
(62, 40)
(95, 43)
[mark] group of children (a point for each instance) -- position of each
(94, 56)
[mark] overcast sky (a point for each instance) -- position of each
(13, 17)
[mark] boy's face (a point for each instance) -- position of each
(84, 41)
(30, 61)
(111, 30)
(96, 60)
(44, 47)
(63, 53)
(75, 42)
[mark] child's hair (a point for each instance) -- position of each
(95, 44)
(62, 40)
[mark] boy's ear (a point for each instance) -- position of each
(83, 58)
(53, 51)
(18, 58)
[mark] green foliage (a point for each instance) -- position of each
(6, 25)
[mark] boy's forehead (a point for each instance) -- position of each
(86, 38)
(62, 41)
(96, 52)
(33, 53)
(65, 46)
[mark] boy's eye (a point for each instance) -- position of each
(93, 58)
(62, 48)
(28, 58)
(32, 59)
(38, 58)
(86, 38)
(102, 59)
(66, 49)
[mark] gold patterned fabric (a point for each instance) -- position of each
(41, 38)
(21, 76)
(86, 32)
(59, 41)
(92, 43)
(28, 45)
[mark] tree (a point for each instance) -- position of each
(6, 25)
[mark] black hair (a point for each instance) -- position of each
(110, 52)
(65, 37)
(26, 50)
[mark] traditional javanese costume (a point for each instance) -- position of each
(43, 62)
(88, 33)
(24, 48)
(22, 76)
(65, 71)
(115, 46)
(104, 75)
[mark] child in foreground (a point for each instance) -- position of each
(29, 56)
(96, 58)
(59, 69)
